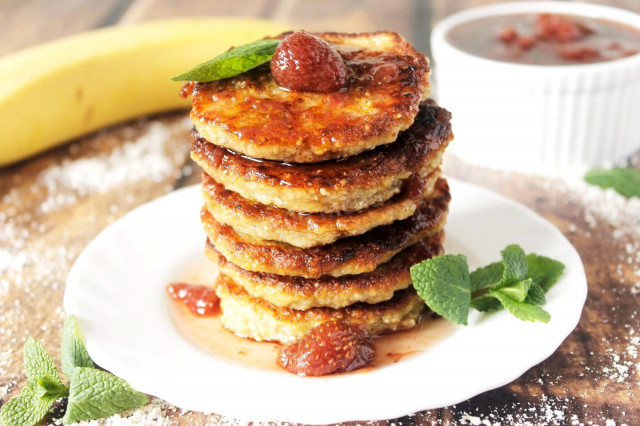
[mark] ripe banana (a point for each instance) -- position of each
(67, 88)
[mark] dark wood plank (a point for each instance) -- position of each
(25, 23)
(353, 16)
(328, 15)
(142, 10)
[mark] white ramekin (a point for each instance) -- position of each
(538, 118)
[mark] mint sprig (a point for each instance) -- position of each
(544, 271)
(73, 353)
(38, 365)
(231, 63)
(517, 283)
(92, 394)
(515, 265)
(96, 394)
(43, 388)
(625, 181)
(522, 310)
(449, 289)
(28, 408)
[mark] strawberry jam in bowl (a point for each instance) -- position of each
(541, 87)
(546, 39)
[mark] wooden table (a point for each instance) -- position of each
(48, 215)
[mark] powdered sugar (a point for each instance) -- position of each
(467, 419)
(602, 205)
(618, 371)
(143, 158)
(154, 413)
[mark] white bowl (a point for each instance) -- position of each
(538, 118)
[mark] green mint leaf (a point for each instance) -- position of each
(521, 310)
(231, 63)
(96, 394)
(515, 264)
(624, 181)
(517, 283)
(443, 283)
(486, 304)
(517, 291)
(486, 276)
(73, 353)
(37, 362)
(544, 271)
(43, 388)
(536, 295)
(27, 408)
(50, 388)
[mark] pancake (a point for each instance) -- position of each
(303, 293)
(353, 255)
(310, 229)
(259, 320)
(333, 186)
(252, 115)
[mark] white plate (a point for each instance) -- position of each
(116, 289)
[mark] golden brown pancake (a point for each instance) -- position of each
(310, 229)
(353, 255)
(333, 292)
(259, 320)
(346, 185)
(252, 115)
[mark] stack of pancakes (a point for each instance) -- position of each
(317, 204)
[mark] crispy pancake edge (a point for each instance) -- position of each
(257, 319)
(302, 293)
(311, 229)
(252, 115)
(352, 255)
(347, 185)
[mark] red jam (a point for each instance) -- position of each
(305, 62)
(187, 89)
(560, 28)
(331, 347)
(201, 300)
(546, 39)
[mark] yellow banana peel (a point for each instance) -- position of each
(67, 88)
